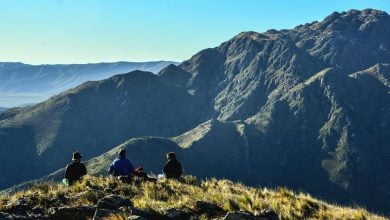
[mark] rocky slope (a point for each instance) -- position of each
(108, 198)
(25, 84)
(306, 108)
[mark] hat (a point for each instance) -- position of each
(171, 155)
(77, 156)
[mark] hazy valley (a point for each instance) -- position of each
(24, 84)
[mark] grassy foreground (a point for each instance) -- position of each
(184, 194)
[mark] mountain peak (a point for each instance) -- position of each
(249, 34)
(175, 75)
(135, 74)
(353, 19)
(367, 13)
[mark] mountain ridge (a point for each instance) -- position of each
(25, 83)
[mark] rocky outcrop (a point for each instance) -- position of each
(71, 212)
(240, 215)
(112, 202)
(208, 209)
(110, 205)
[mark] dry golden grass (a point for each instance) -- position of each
(184, 194)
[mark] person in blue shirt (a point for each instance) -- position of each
(121, 166)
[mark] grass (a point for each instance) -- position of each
(184, 194)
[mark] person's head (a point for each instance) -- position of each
(77, 156)
(139, 169)
(122, 153)
(171, 156)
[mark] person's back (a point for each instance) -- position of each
(75, 170)
(172, 168)
(121, 166)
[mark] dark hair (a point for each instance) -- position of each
(122, 152)
(171, 155)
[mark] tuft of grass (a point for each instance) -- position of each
(183, 195)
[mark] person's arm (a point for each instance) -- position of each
(166, 168)
(180, 169)
(111, 169)
(67, 172)
(130, 166)
(84, 171)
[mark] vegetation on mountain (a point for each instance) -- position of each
(169, 199)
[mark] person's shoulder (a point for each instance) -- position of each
(69, 165)
(177, 162)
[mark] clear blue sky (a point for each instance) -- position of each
(80, 31)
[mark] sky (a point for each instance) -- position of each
(85, 31)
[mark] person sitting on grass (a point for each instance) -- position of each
(172, 168)
(121, 166)
(75, 170)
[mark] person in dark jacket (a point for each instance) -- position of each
(172, 168)
(75, 170)
(121, 166)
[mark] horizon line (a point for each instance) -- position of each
(91, 62)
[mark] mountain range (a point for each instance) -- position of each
(307, 108)
(23, 84)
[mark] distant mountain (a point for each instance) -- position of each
(2, 109)
(307, 108)
(23, 83)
